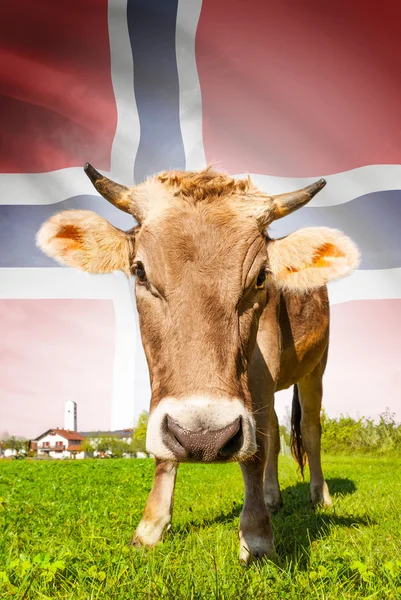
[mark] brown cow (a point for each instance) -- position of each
(228, 316)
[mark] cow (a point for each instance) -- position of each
(228, 316)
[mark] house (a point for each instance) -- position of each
(121, 434)
(59, 443)
(9, 452)
(64, 443)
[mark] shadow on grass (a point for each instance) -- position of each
(208, 522)
(298, 525)
(299, 493)
(339, 486)
(297, 532)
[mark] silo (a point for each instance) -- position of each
(70, 415)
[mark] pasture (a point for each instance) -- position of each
(65, 528)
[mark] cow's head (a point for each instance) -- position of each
(205, 269)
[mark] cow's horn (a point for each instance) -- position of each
(284, 204)
(118, 195)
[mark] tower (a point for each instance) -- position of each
(70, 415)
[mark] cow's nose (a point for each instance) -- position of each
(203, 445)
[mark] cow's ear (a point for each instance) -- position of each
(311, 257)
(85, 241)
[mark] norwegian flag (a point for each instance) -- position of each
(288, 92)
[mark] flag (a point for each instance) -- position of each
(288, 92)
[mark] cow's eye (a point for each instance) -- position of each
(261, 278)
(141, 273)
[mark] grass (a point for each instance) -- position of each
(65, 528)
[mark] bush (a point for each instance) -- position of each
(363, 435)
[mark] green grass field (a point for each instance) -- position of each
(65, 528)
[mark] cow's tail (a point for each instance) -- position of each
(297, 448)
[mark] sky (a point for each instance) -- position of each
(317, 96)
(55, 350)
(52, 351)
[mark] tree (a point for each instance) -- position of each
(118, 447)
(138, 443)
(14, 443)
(285, 435)
(102, 444)
(87, 445)
(109, 444)
(286, 421)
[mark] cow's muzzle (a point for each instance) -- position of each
(201, 429)
(203, 445)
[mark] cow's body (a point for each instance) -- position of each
(298, 358)
(228, 316)
(304, 325)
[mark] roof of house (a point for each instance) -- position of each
(118, 433)
(74, 448)
(65, 433)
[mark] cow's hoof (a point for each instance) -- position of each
(136, 541)
(255, 546)
(148, 534)
(320, 496)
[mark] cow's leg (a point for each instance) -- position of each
(159, 506)
(255, 532)
(271, 486)
(310, 396)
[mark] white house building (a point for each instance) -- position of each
(9, 452)
(59, 443)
